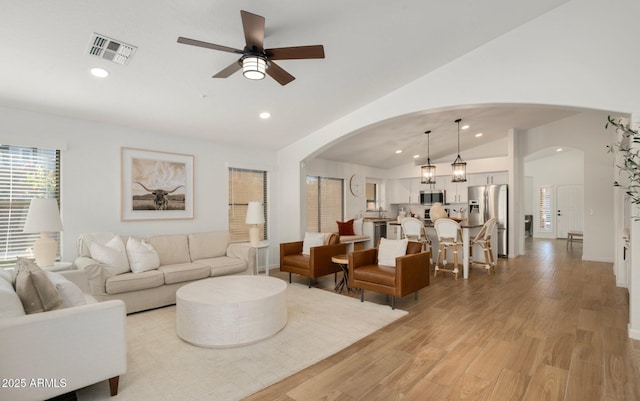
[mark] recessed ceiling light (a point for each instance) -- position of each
(416, 156)
(464, 127)
(265, 114)
(479, 134)
(559, 150)
(398, 151)
(99, 72)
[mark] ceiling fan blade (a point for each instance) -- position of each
(207, 45)
(279, 74)
(228, 71)
(297, 52)
(253, 26)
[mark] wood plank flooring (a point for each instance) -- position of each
(546, 326)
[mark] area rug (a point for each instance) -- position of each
(163, 367)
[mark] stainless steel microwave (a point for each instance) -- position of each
(433, 196)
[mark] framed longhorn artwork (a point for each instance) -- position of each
(156, 185)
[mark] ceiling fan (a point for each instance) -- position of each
(255, 60)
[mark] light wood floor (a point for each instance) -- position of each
(546, 326)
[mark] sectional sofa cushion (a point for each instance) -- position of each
(34, 289)
(172, 249)
(208, 245)
(134, 281)
(224, 265)
(184, 272)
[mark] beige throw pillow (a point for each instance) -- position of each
(112, 256)
(311, 240)
(142, 256)
(36, 292)
(390, 249)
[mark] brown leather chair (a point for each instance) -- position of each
(410, 274)
(317, 264)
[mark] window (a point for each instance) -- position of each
(245, 186)
(25, 173)
(371, 191)
(325, 203)
(545, 197)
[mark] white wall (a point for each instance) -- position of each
(587, 134)
(90, 173)
(562, 168)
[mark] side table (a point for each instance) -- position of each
(261, 245)
(343, 262)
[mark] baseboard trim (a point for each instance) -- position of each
(634, 333)
(588, 258)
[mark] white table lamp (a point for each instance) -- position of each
(255, 216)
(43, 218)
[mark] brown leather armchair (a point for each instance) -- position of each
(317, 264)
(410, 274)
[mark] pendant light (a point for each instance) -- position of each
(428, 172)
(459, 167)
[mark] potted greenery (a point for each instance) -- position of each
(630, 155)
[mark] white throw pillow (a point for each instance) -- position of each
(142, 256)
(311, 240)
(112, 255)
(390, 249)
(357, 226)
(71, 294)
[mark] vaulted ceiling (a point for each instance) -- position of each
(372, 48)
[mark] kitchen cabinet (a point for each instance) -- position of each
(498, 177)
(456, 191)
(403, 191)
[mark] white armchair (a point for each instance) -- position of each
(52, 353)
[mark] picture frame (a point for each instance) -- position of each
(156, 185)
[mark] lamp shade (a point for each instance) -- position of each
(255, 213)
(43, 216)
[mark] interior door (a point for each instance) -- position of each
(570, 209)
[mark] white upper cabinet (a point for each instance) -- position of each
(456, 191)
(499, 177)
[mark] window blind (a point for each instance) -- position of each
(545, 194)
(25, 173)
(325, 203)
(245, 186)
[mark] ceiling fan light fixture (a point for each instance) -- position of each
(254, 67)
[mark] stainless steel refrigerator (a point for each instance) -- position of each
(487, 201)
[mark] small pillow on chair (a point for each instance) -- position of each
(311, 240)
(390, 249)
(345, 227)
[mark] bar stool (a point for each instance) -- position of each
(414, 230)
(449, 236)
(483, 239)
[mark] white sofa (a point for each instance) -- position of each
(183, 259)
(43, 355)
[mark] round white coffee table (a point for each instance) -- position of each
(231, 310)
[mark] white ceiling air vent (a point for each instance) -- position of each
(110, 49)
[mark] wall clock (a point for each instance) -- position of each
(354, 185)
